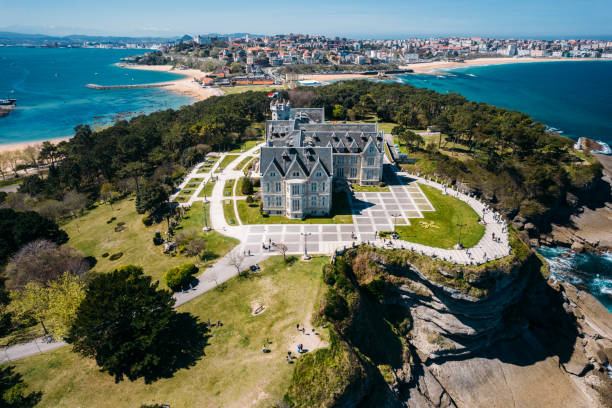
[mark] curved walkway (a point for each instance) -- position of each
(341, 236)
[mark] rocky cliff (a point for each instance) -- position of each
(431, 334)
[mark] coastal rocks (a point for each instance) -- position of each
(577, 247)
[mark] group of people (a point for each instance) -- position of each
(209, 325)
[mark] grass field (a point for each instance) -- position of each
(226, 161)
(207, 190)
(228, 211)
(439, 228)
(247, 88)
(369, 189)
(92, 235)
(228, 187)
(244, 162)
(239, 187)
(341, 214)
(232, 373)
(246, 146)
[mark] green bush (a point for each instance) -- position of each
(247, 186)
(157, 239)
(336, 307)
(116, 256)
(382, 184)
(104, 255)
(250, 199)
(147, 221)
(180, 276)
(111, 220)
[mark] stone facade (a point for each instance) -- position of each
(304, 156)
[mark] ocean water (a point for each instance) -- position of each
(574, 97)
(49, 85)
(583, 270)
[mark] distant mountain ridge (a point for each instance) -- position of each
(14, 38)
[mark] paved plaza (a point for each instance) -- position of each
(372, 212)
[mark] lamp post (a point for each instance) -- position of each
(206, 227)
(305, 235)
(459, 246)
(395, 215)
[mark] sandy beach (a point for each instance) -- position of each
(435, 68)
(22, 145)
(186, 86)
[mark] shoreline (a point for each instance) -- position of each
(185, 86)
(438, 67)
(9, 147)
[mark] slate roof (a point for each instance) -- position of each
(305, 157)
(342, 137)
(313, 114)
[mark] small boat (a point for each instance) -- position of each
(8, 102)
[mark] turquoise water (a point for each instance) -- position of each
(584, 270)
(574, 97)
(52, 99)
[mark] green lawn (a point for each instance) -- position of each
(369, 189)
(341, 214)
(228, 211)
(232, 373)
(249, 144)
(94, 237)
(207, 190)
(239, 187)
(439, 228)
(244, 162)
(226, 161)
(228, 187)
(247, 88)
(217, 245)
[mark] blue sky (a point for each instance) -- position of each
(378, 18)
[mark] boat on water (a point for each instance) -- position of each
(7, 105)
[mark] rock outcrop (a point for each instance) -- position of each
(528, 342)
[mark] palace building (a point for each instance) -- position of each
(304, 156)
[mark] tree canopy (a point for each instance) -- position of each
(129, 327)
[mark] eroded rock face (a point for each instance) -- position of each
(522, 346)
(497, 337)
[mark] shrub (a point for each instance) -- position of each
(116, 256)
(247, 186)
(180, 276)
(250, 199)
(382, 184)
(111, 220)
(264, 214)
(157, 239)
(147, 221)
(104, 255)
(336, 307)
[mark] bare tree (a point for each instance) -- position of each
(31, 154)
(235, 259)
(282, 248)
(13, 158)
(75, 202)
(195, 247)
(43, 261)
(4, 164)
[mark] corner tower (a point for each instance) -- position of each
(280, 110)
